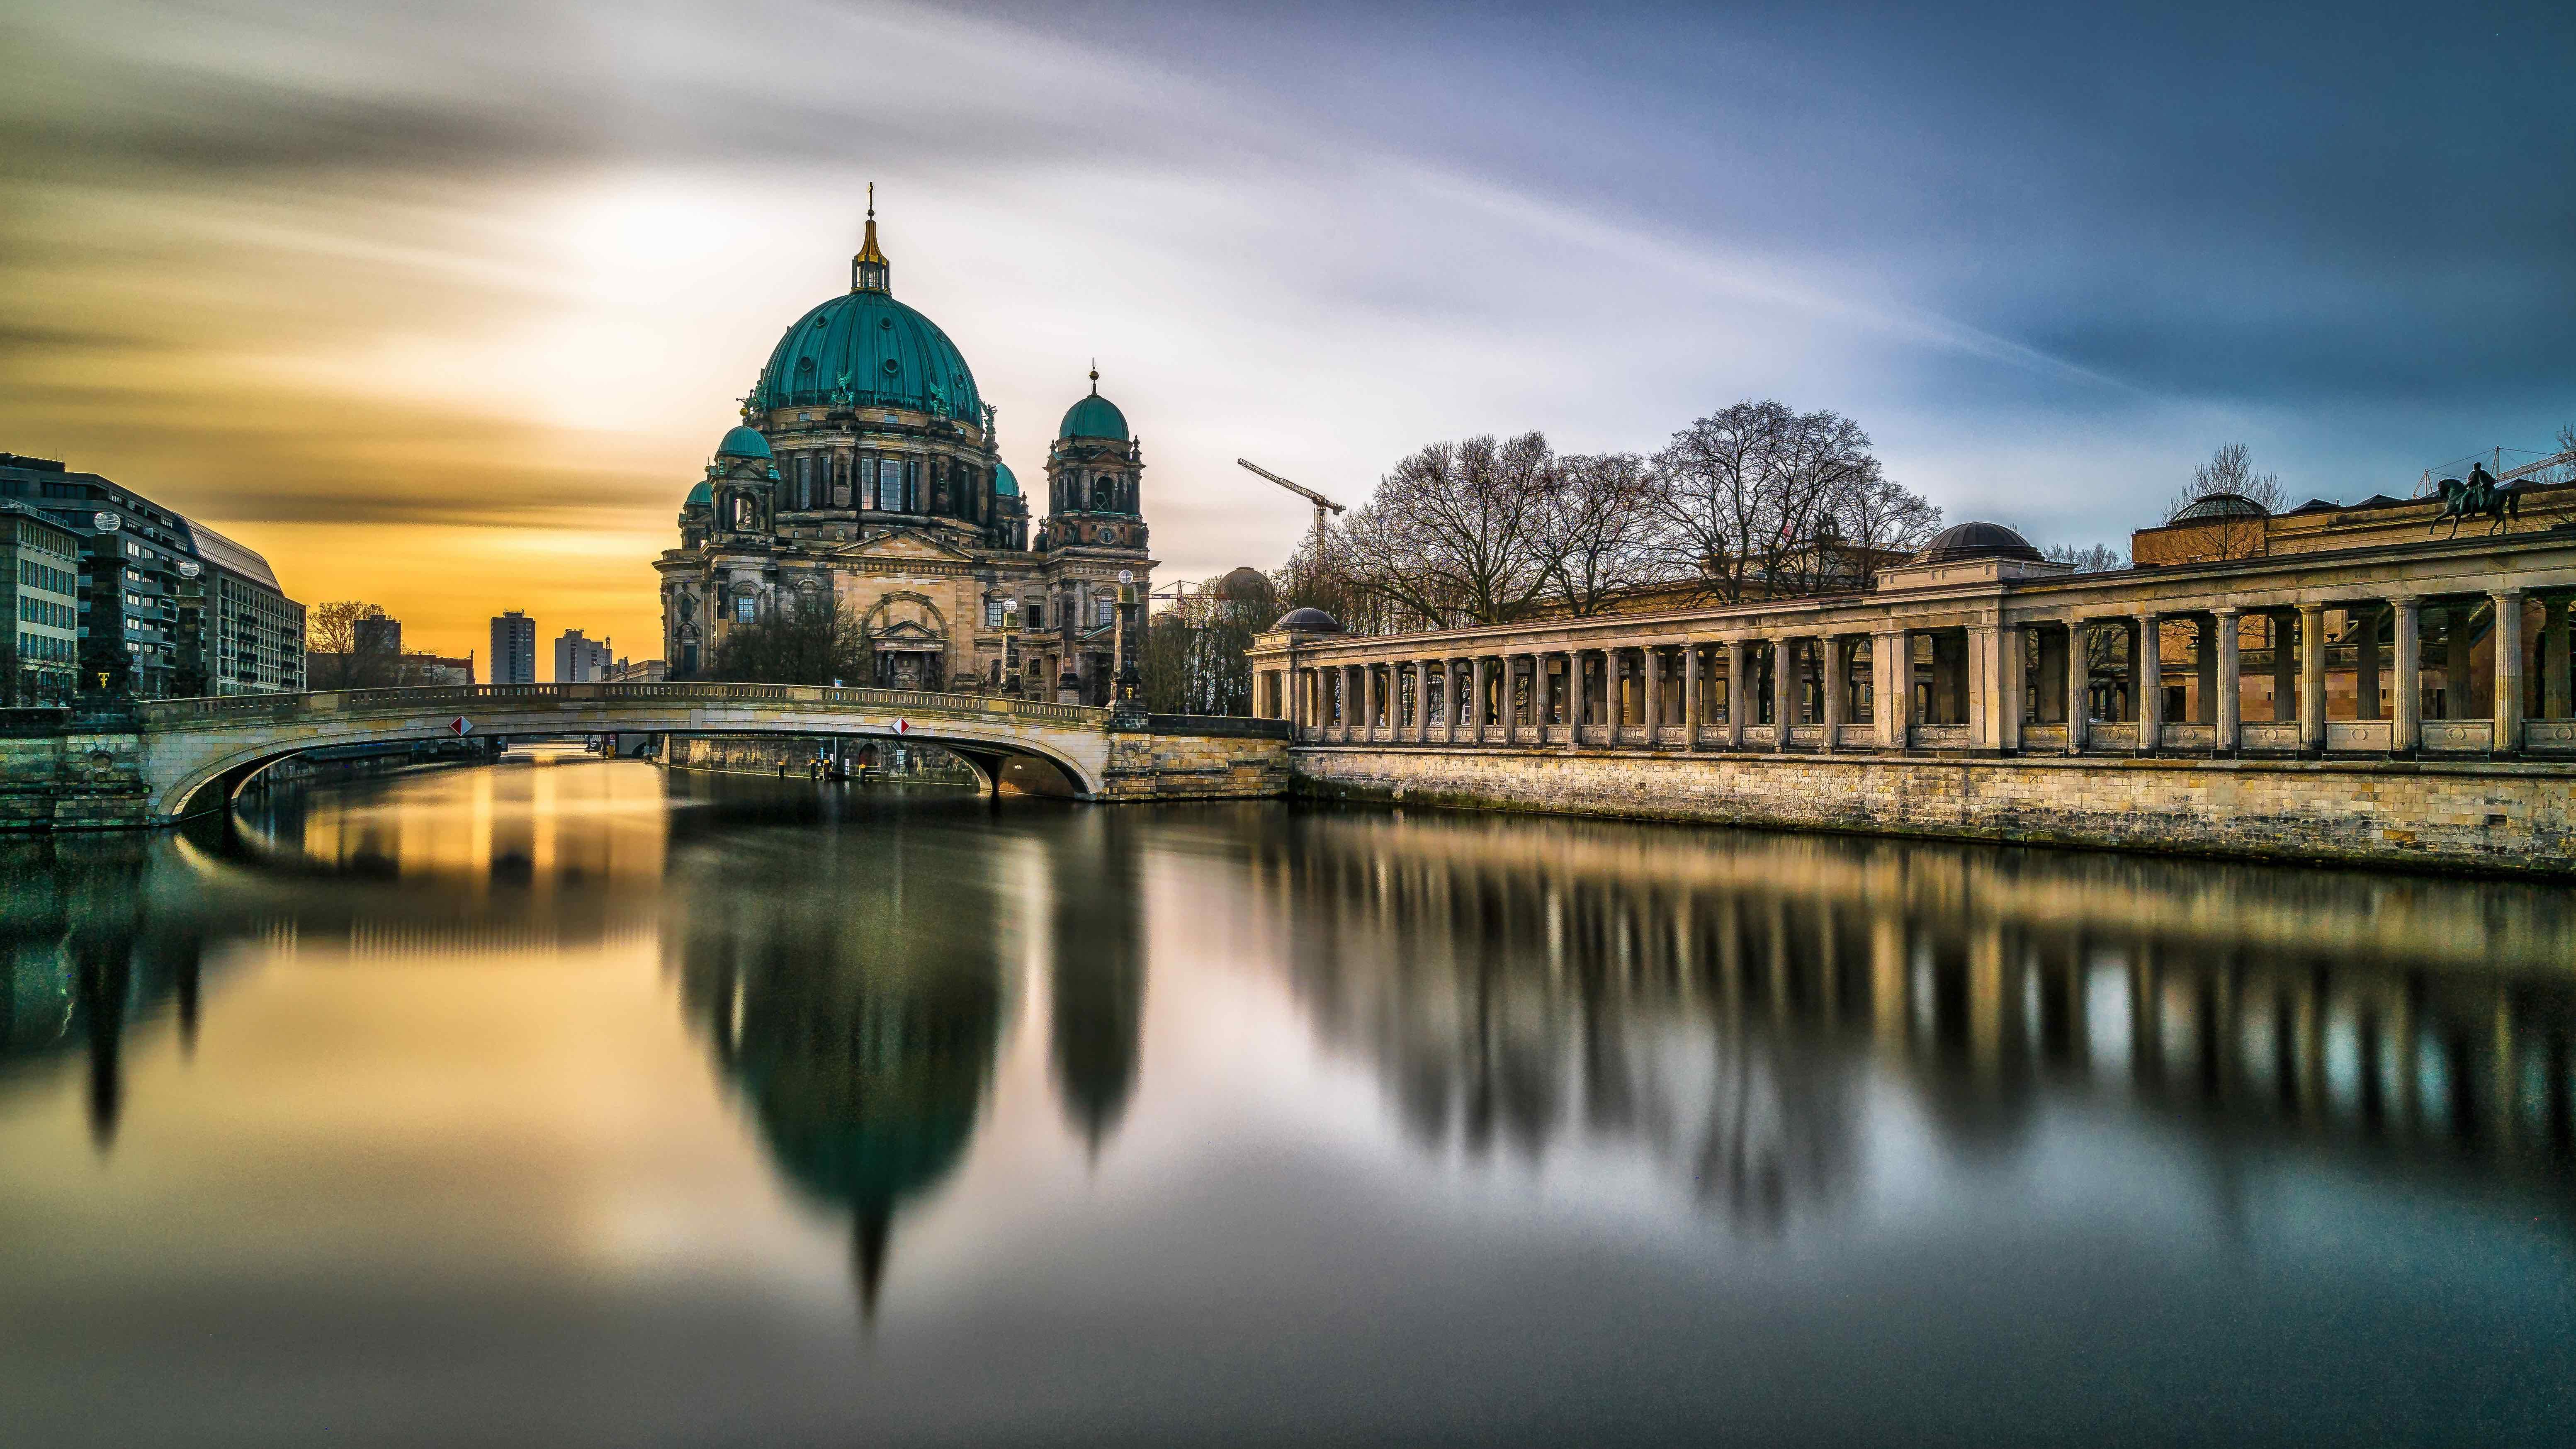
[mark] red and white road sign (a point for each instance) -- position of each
(460, 726)
(903, 726)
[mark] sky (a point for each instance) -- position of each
(444, 304)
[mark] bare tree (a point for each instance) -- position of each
(1599, 527)
(1758, 499)
(2098, 558)
(1714, 497)
(1455, 533)
(2229, 470)
(809, 639)
(335, 656)
(1875, 514)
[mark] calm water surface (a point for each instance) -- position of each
(578, 1103)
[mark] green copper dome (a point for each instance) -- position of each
(743, 443)
(701, 496)
(1004, 483)
(1094, 417)
(868, 350)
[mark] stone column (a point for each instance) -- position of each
(1422, 701)
(2406, 735)
(1784, 689)
(2553, 657)
(1891, 693)
(1651, 660)
(2079, 687)
(2508, 671)
(1476, 711)
(1739, 655)
(2227, 675)
(1573, 699)
(1829, 660)
(1693, 704)
(2312, 677)
(2150, 658)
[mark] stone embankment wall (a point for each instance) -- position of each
(1197, 757)
(63, 770)
(2503, 817)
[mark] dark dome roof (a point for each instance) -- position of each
(1243, 586)
(1307, 621)
(1005, 482)
(2220, 505)
(1977, 540)
(743, 443)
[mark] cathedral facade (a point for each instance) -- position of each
(866, 464)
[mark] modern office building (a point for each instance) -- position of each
(40, 572)
(514, 649)
(167, 606)
(580, 660)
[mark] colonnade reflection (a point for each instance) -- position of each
(1729, 1001)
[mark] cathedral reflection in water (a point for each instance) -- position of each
(854, 987)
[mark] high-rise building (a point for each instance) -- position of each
(376, 634)
(514, 649)
(582, 661)
(167, 606)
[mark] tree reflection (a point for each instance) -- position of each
(1720, 1001)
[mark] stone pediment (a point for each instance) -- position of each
(905, 545)
(902, 630)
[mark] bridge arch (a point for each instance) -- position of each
(199, 752)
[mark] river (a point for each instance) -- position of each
(582, 1103)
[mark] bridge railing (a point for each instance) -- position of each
(177, 713)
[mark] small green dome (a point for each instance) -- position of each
(876, 351)
(743, 443)
(701, 496)
(1094, 417)
(1003, 483)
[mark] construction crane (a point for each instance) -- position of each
(2504, 475)
(1321, 502)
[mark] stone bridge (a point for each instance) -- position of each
(127, 765)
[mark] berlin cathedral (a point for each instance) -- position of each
(866, 464)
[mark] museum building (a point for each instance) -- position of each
(866, 464)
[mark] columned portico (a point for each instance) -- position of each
(2453, 650)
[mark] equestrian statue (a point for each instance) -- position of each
(2480, 497)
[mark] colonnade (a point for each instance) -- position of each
(2337, 676)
